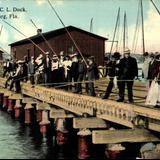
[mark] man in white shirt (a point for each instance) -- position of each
(39, 76)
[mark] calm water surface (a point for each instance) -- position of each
(19, 142)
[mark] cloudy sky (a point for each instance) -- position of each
(79, 14)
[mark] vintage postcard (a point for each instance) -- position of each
(79, 79)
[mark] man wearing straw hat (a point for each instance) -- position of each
(128, 70)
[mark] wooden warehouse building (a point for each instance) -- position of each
(88, 43)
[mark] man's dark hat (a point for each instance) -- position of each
(145, 54)
(152, 55)
(116, 55)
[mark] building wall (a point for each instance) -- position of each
(23, 50)
(87, 44)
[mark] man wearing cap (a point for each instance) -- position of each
(47, 68)
(112, 72)
(128, 70)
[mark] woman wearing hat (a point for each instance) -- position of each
(153, 97)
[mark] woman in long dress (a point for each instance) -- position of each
(153, 97)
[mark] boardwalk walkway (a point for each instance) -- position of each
(110, 110)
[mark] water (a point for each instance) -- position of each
(20, 142)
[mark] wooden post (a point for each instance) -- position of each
(11, 104)
(18, 109)
(29, 108)
(62, 131)
(84, 143)
(44, 124)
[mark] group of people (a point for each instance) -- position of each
(64, 70)
(56, 71)
(123, 71)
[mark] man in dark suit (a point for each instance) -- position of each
(128, 70)
(74, 69)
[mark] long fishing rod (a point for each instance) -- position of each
(43, 37)
(155, 6)
(67, 32)
(25, 36)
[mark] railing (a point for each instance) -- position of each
(121, 113)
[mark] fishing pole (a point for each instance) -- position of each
(43, 37)
(67, 32)
(25, 36)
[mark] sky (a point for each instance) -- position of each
(79, 13)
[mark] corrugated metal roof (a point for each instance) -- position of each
(55, 33)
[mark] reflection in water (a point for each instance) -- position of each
(18, 142)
